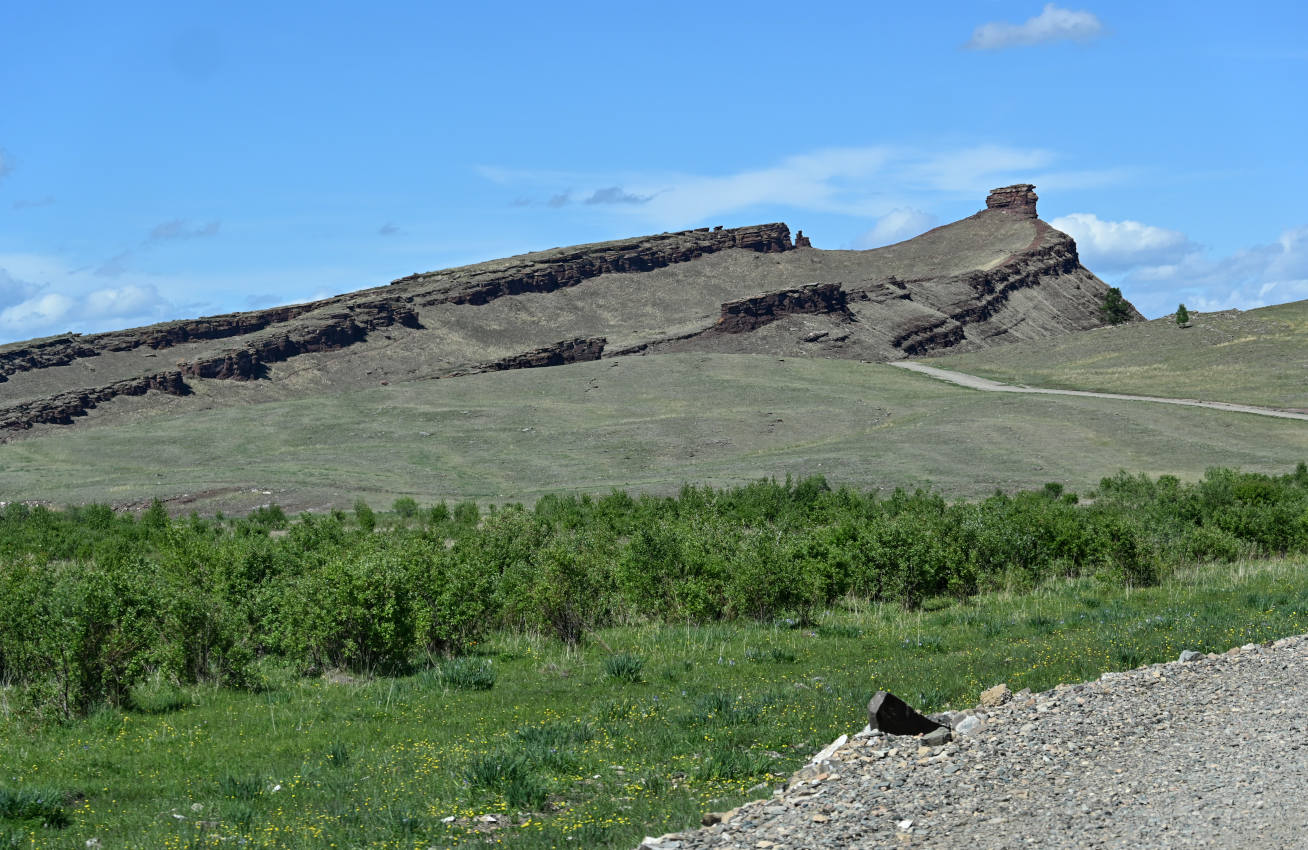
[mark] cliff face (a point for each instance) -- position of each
(1001, 274)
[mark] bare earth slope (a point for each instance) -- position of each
(1000, 275)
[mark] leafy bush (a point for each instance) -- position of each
(98, 608)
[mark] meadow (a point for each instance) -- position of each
(581, 673)
(1255, 357)
(587, 746)
(640, 424)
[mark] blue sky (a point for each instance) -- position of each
(167, 160)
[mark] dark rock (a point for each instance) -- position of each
(893, 716)
(61, 409)
(749, 314)
(559, 354)
(802, 241)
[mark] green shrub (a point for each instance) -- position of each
(364, 515)
(511, 775)
(624, 667)
(405, 507)
(464, 674)
(158, 696)
(40, 807)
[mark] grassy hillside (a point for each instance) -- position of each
(641, 423)
(1254, 357)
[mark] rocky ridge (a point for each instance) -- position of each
(1210, 750)
(1000, 274)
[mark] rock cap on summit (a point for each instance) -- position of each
(1018, 199)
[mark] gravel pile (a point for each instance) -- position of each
(1207, 752)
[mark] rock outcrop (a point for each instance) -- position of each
(63, 408)
(1018, 199)
(750, 314)
(559, 354)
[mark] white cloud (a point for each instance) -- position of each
(1177, 270)
(1115, 245)
(895, 226)
(100, 309)
(40, 296)
(1052, 24)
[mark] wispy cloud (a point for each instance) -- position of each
(616, 195)
(867, 182)
(1052, 24)
(116, 265)
(387, 229)
(180, 228)
(173, 230)
(895, 226)
(33, 203)
(6, 164)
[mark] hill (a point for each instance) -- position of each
(1254, 357)
(998, 276)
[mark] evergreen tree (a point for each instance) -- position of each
(1114, 310)
(1182, 316)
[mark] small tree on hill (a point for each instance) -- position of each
(1114, 310)
(1182, 316)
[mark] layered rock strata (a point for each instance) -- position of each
(998, 275)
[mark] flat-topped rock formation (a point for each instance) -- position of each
(999, 275)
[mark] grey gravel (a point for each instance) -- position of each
(1212, 752)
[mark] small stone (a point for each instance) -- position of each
(968, 725)
(1188, 655)
(820, 818)
(937, 737)
(998, 695)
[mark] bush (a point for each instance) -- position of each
(465, 674)
(508, 774)
(364, 516)
(624, 667)
(41, 807)
(405, 507)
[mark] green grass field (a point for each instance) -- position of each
(574, 747)
(1254, 357)
(638, 423)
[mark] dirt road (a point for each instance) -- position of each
(973, 382)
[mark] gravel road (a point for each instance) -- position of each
(973, 382)
(1211, 752)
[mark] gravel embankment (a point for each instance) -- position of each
(1206, 753)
